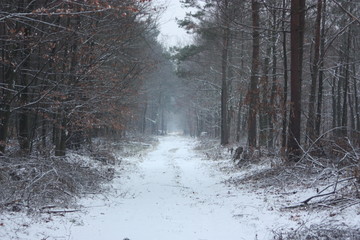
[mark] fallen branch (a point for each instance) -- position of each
(305, 203)
(324, 194)
(295, 206)
(316, 204)
(61, 211)
(316, 196)
(10, 203)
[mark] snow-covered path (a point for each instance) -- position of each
(172, 194)
(168, 193)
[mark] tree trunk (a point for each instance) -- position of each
(334, 101)
(337, 112)
(4, 126)
(253, 92)
(8, 80)
(297, 39)
(43, 132)
(344, 116)
(356, 99)
(224, 84)
(163, 130)
(143, 122)
(24, 131)
(264, 106)
(60, 135)
(352, 114)
(238, 123)
(272, 115)
(321, 73)
(286, 80)
(24, 115)
(314, 66)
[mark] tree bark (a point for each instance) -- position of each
(253, 92)
(4, 126)
(60, 135)
(265, 107)
(238, 123)
(143, 120)
(297, 38)
(321, 73)
(344, 116)
(335, 97)
(286, 80)
(272, 115)
(8, 81)
(224, 68)
(24, 115)
(356, 100)
(314, 66)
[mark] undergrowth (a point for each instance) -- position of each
(331, 168)
(36, 183)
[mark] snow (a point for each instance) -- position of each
(170, 192)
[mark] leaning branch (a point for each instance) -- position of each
(347, 12)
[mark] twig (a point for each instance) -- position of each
(337, 181)
(10, 203)
(325, 194)
(306, 153)
(305, 203)
(347, 12)
(47, 207)
(352, 203)
(352, 147)
(316, 196)
(62, 211)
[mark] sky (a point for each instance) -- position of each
(170, 33)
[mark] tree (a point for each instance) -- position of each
(321, 71)
(314, 68)
(253, 94)
(69, 68)
(224, 73)
(286, 80)
(297, 39)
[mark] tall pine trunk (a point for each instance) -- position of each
(314, 66)
(297, 39)
(356, 100)
(7, 76)
(286, 80)
(264, 112)
(272, 115)
(60, 134)
(345, 78)
(24, 115)
(224, 68)
(253, 91)
(321, 73)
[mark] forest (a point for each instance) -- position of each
(284, 73)
(71, 70)
(277, 78)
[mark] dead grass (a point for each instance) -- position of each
(331, 172)
(319, 232)
(35, 182)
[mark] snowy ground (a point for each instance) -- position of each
(170, 192)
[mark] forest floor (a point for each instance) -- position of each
(179, 190)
